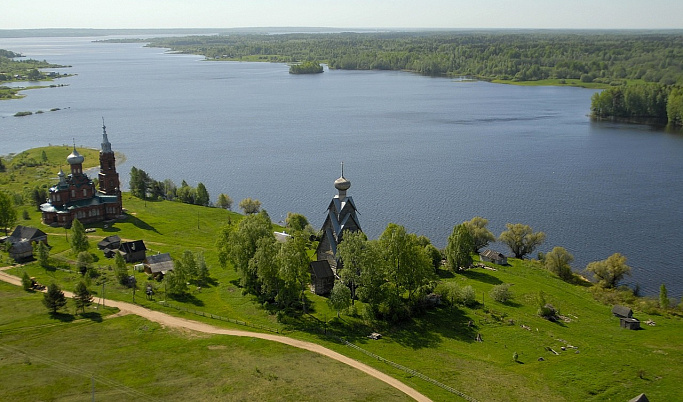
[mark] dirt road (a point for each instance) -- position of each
(176, 322)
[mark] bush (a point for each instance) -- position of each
(501, 293)
(467, 296)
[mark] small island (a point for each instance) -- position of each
(307, 67)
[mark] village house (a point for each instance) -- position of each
(133, 251)
(494, 257)
(158, 265)
(22, 240)
(75, 195)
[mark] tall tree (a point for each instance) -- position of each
(250, 206)
(352, 253)
(8, 214)
(663, 297)
(558, 261)
(84, 262)
(224, 201)
(79, 240)
(120, 269)
(26, 282)
(294, 262)
(265, 263)
(459, 248)
(243, 247)
(188, 263)
(202, 197)
(521, 239)
(43, 254)
(340, 297)
(202, 269)
(481, 235)
(82, 297)
(296, 222)
(54, 298)
(611, 271)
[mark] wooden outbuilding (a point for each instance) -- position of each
(493, 256)
(322, 277)
(630, 323)
(110, 242)
(133, 251)
(158, 264)
(27, 233)
(21, 251)
(622, 311)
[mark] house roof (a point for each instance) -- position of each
(488, 253)
(26, 233)
(132, 246)
(21, 247)
(622, 311)
(321, 269)
(108, 241)
(639, 398)
(159, 263)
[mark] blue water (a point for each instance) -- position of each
(426, 153)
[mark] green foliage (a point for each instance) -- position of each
(120, 269)
(467, 296)
(674, 107)
(663, 297)
(352, 253)
(78, 238)
(82, 297)
(515, 56)
(294, 272)
(296, 222)
(558, 262)
(307, 67)
(8, 214)
(242, 247)
(521, 239)
(250, 206)
(224, 201)
(54, 298)
(202, 195)
(43, 254)
(84, 262)
(340, 297)
(611, 271)
(636, 101)
(501, 293)
(459, 248)
(26, 282)
(481, 235)
(435, 255)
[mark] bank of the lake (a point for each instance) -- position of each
(426, 153)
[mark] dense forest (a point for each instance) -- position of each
(658, 102)
(608, 58)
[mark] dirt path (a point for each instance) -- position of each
(177, 322)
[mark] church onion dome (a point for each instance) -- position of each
(74, 158)
(342, 184)
(61, 173)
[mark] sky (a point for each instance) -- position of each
(535, 14)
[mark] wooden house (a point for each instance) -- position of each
(322, 277)
(158, 264)
(494, 257)
(622, 311)
(630, 323)
(133, 251)
(27, 233)
(110, 242)
(21, 251)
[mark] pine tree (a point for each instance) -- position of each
(54, 298)
(663, 297)
(120, 269)
(26, 282)
(82, 297)
(43, 252)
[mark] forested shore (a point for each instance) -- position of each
(653, 102)
(589, 57)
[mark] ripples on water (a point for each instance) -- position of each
(426, 153)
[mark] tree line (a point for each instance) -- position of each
(652, 101)
(604, 57)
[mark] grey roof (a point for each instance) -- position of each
(26, 233)
(321, 269)
(488, 253)
(108, 241)
(622, 311)
(21, 248)
(639, 398)
(159, 263)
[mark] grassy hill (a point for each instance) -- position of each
(600, 360)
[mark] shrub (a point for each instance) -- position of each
(467, 296)
(501, 293)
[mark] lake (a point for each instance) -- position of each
(426, 153)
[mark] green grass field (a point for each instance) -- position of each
(608, 363)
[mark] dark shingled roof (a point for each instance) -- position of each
(622, 311)
(159, 263)
(108, 241)
(321, 269)
(26, 232)
(132, 246)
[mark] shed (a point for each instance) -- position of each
(158, 264)
(21, 251)
(27, 233)
(494, 257)
(639, 398)
(622, 311)
(133, 251)
(110, 242)
(322, 277)
(630, 323)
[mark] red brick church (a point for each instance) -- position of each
(75, 196)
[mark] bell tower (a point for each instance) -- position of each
(109, 179)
